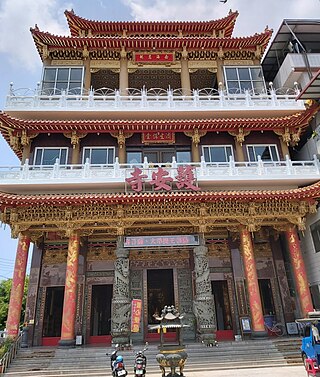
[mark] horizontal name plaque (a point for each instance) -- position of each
(156, 241)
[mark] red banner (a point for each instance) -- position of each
(136, 308)
(154, 58)
(158, 137)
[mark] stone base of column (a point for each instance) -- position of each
(120, 323)
(63, 343)
(259, 334)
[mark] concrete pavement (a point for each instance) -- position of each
(286, 371)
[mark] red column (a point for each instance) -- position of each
(250, 269)
(17, 289)
(299, 272)
(70, 293)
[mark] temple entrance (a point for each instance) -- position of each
(223, 312)
(52, 320)
(100, 324)
(160, 292)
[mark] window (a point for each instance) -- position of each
(315, 232)
(97, 155)
(266, 152)
(55, 80)
(159, 156)
(48, 156)
(240, 79)
(217, 153)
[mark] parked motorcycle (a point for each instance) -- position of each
(140, 363)
(116, 363)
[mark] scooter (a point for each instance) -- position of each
(116, 363)
(140, 363)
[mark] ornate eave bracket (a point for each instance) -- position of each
(195, 135)
(239, 135)
(288, 136)
(75, 137)
(252, 224)
(121, 137)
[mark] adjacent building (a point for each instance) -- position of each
(157, 166)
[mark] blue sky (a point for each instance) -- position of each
(20, 63)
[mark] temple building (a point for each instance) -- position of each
(156, 169)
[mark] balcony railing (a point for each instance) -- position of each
(154, 99)
(113, 177)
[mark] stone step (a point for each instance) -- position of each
(92, 361)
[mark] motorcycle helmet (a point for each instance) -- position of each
(119, 359)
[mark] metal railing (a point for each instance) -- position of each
(150, 99)
(7, 358)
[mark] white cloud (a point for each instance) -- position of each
(16, 18)
(254, 16)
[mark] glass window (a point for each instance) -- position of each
(97, 155)
(315, 232)
(217, 153)
(48, 156)
(183, 156)
(240, 79)
(63, 78)
(266, 152)
(134, 157)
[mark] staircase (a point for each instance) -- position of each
(90, 361)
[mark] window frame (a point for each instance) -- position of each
(50, 148)
(218, 146)
(53, 90)
(263, 145)
(91, 148)
(239, 80)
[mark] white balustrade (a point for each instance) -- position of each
(115, 174)
(152, 99)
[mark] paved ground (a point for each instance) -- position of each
(290, 371)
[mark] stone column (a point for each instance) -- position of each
(185, 75)
(87, 75)
(284, 148)
(123, 76)
(250, 269)
(70, 292)
(239, 152)
(121, 302)
(16, 296)
(299, 272)
(203, 303)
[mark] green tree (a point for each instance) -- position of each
(5, 289)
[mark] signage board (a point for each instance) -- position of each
(156, 241)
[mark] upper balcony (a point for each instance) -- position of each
(88, 178)
(156, 102)
(295, 69)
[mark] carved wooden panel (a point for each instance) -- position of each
(154, 78)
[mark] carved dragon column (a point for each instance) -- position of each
(299, 272)
(16, 296)
(203, 304)
(250, 269)
(185, 75)
(123, 76)
(70, 292)
(121, 302)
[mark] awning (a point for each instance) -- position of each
(312, 90)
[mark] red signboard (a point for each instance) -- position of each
(154, 57)
(158, 137)
(136, 308)
(161, 181)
